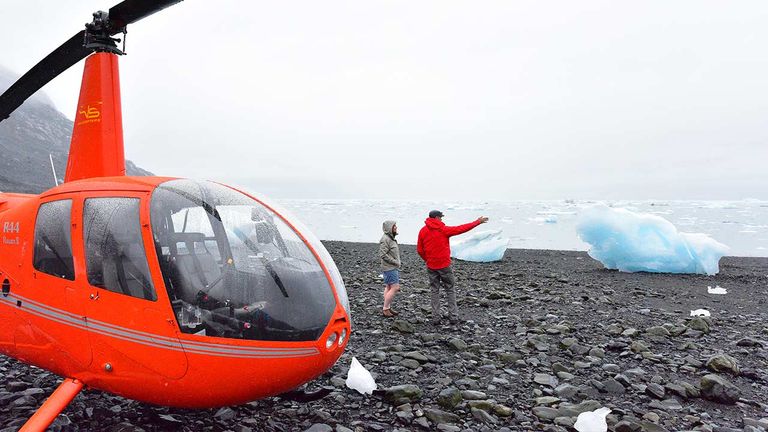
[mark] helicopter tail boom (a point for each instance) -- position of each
(97, 148)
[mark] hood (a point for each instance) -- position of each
(387, 226)
(434, 223)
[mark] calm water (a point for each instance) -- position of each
(742, 225)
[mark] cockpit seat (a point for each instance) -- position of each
(194, 266)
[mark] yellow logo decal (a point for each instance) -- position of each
(91, 113)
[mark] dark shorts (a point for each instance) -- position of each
(391, 277)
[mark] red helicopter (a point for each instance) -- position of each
(169, 291)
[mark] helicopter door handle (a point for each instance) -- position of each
(94, 296)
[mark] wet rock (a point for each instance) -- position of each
(655, 390)
(613, 386)
(125, 427)
(416, 355)
(438, 417)
(723, 363)
(483, 416)
(545, 379)
(719, 389)
(639, 347)
(503, 410)
(319, 427)
(699, 324)
(449, 398)
(403, 326)
(473, 395)
(403, 393)
(657, 331)
(545, 413)
(457, 344)
(750, 342)
(225, 414)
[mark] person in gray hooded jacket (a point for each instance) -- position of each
(389, 253)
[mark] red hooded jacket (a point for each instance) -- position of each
(433, 244)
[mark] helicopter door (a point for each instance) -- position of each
(57, 328)
(131, 331)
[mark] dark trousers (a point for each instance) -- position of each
(442, 278)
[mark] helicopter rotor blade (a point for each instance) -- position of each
(130, 11)
(61, 59)
(74, 50)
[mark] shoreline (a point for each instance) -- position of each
(532, 250)
(545, 334)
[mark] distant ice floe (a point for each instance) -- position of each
(358, 378)
(716, 290)
(484, 246)
(549, 219)
(633, 242)
(700, 313)
(592, 421)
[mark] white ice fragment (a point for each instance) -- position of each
(592, 421)
(484, 246)
(717, 290)
(358, 378)
(700, 313)
(633, 242)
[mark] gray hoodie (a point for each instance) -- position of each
(389, 252)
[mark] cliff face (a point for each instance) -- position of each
(27, 138)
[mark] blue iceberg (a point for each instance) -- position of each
(484, 246)
(634, 242)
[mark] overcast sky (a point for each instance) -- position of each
(436, 99)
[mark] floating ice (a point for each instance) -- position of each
(632, 242)
(716, 290)
(549, 219)
(592, 421)
(700, 313)
(484, 246)
(358, 378)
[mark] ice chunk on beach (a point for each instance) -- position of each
(484, 246)
(358, 378)
(700, 313)
(592, 421)
(633, 242)
(716, 290)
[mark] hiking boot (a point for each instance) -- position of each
(394, 312)
(435, 322)
(387, 313)
(454, 320)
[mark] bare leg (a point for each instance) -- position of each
(389, 294)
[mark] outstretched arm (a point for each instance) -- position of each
(451, 231)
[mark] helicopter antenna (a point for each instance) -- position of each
(53, 168)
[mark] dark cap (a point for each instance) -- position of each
(435, 214)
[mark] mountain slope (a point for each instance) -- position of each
(28, 136)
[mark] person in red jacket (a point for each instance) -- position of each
(435, 249)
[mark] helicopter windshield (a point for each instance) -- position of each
(235, 269)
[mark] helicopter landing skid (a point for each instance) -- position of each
(55, 404)
(304, 396)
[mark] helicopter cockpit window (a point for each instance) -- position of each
(235, 269)
(53, 239)
(115, 256)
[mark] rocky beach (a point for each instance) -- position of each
(544, 336)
